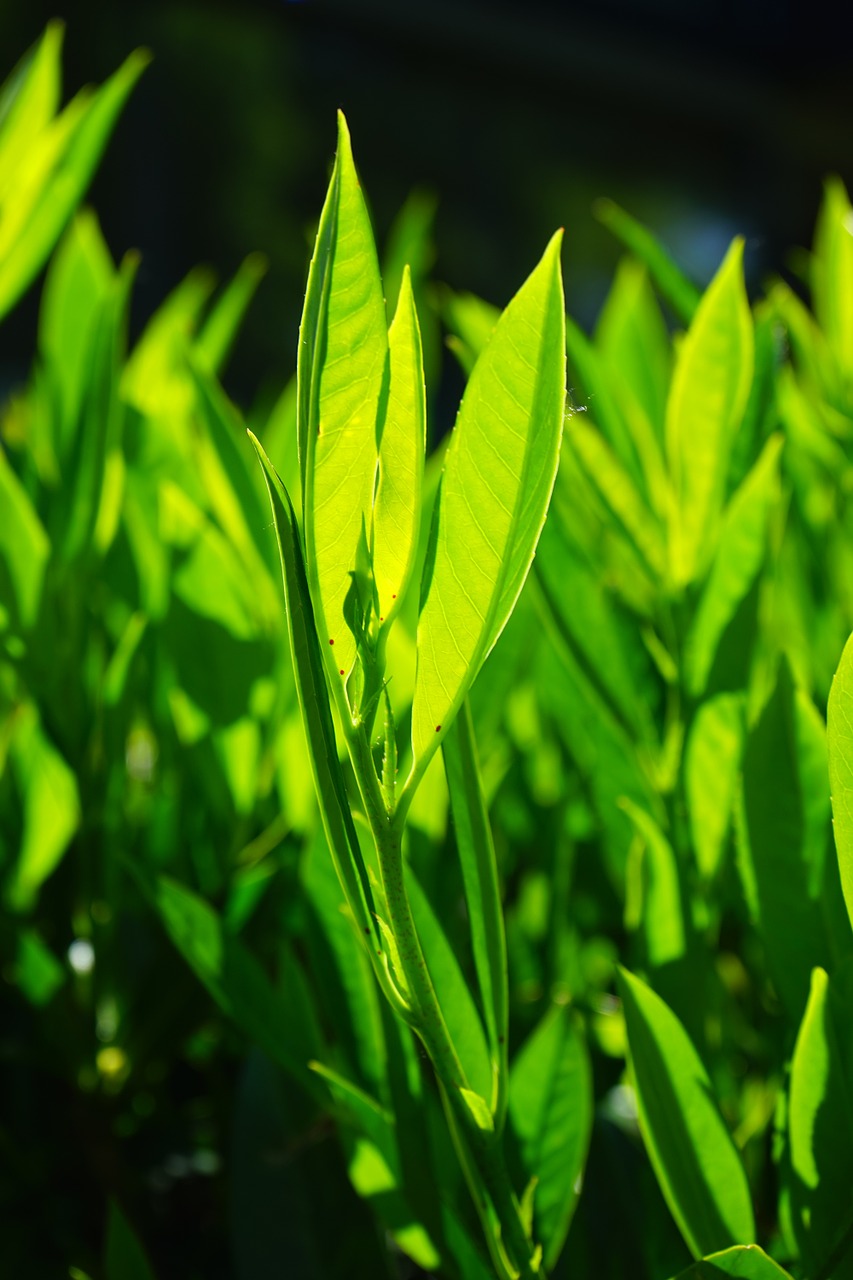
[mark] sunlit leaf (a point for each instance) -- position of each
(497, 481)
(840, 750)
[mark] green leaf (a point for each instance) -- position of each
(396, 513)
(736, 564)
(659, 909)
(482, 892)
(707, 399)
(38, 973)
(680, 292)
(24, 547)
(696, 1162)
(457, 1004)
(551, 1108)
(270, 1016)
(820, 1127)
(839, 741)
(51, 808)
(316, 712)
(342, 365)
(222, 324)
(786, 805)
(619, 493)
(832, 280)
(747, 1262)
(631, 336)
(86, 128)
(124, 1257)
(498, 476)
(29, 100)
(712, 760)
(595, 388)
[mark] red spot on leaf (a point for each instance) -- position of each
(381, 619)
(438, 728)
(331, 642)
(342, 671)
(394, 597)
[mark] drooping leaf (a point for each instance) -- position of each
(694, 1157)
(342, 363)
(498, 475)
(707, 398)
(551, 1109)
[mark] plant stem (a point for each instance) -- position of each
(486, 1148)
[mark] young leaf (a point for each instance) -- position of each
(737, 561)
(342, 363)
(696, 1162)
(551, 1108)
(396, 512)
(712, 760)
(497, 482)
(29, 100)
(839, 739)
(220, 329)
(24, 547)
(631, 336)
(707, 399)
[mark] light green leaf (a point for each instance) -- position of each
(29, 100)
(631, 336)
(712, 760)
(51, 808)
(396, 513)
(595, 390)
(659, 911)
(736, 564)
(786, 805)
(747, 1262)
(482, 892)
(343, 354)
(710, 388)
(498, 476)
(832, 280)
(24, 546)
(694, 1157)
(820, 1127)
(680, 292)
(619, 493)
(316, 712)
(222, 324)
(551, 1108)
(840, 748)
(65, 179)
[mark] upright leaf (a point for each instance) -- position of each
(680, 292)
(497, 482)
(343, 352)
(709, 391)
(833, 272)
(747, 1262)
(694, 1157)
(396, 514)
(736, 564)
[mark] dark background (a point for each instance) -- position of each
(703, 119)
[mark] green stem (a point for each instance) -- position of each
(428, 1021)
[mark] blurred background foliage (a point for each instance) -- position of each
(705, 120)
